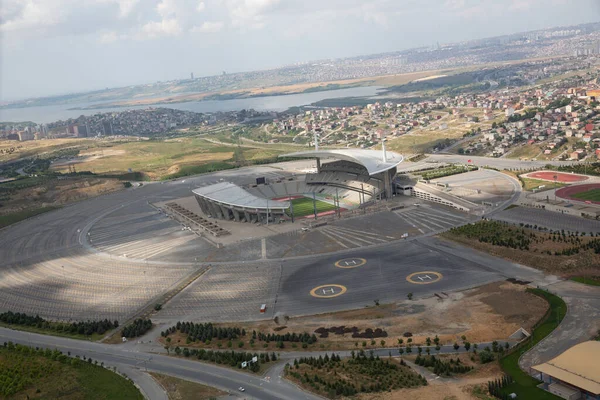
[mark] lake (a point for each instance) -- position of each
(53, 113)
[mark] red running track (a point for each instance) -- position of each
(560, 176)
(569, 191)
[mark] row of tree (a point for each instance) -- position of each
(231, 358)
(495, 387)
(440, 367)
(82, 327)
(203, 332)
(287, 337)
(137, 328)
(199, 332)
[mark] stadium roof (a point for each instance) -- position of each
(372, 160)
(233, 195)
(577, 366)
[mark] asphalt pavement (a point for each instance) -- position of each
(229, 380)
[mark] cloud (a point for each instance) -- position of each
(111, 37)
(30, 14)
(201, 6)
(250, 13)
(165, 27)
(208, 27)
(126, 7)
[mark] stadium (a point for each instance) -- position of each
(349, 179)
(217, 246)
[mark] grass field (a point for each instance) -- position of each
(45, 374)
(524, 385)
(530, 184)
(592, 195)
(304, 206)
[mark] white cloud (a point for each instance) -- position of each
(250, 13)
(30, 14)
(208, 27)
(165, 27)
(110, 37)
(126, 7)
(201, 6)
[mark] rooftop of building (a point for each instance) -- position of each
(233, 195)
(372, 160)
(578, 366)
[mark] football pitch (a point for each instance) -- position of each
(304, 206)
(592, 195)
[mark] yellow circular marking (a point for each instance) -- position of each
(424, 277)
(328, 291)
(353, 262)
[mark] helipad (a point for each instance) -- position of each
(424, 277)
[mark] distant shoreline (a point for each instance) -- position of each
(218, 97)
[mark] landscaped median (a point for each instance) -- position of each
(523, 384)
(587, 280)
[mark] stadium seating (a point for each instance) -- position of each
(347, 180)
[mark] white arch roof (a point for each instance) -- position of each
(233, 195)
(372, 160)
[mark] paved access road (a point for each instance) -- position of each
(222, 378)
(500, 163)
(134, 364)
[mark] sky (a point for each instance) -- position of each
(50, 47)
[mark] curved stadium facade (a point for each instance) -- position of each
(349, 178)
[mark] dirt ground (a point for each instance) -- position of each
(179, 389)
(58, 193)
(557, 265)
(490, 312)
(470, 386)
(437, 391)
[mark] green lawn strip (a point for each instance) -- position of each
(34, 329)
(524, 385)
(13, 218)
(586, 280)
(592, 195)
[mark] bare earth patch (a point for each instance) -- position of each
(558, 265)
(179, 389)
(58, 193)
(491, 312)
(470, 386)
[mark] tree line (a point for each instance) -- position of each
(82, 328)
(205, 332)
(495, 387)
(202, 332)
(231, 358)
(440, 367)
(137, 328)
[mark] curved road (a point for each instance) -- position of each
(133, 363)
